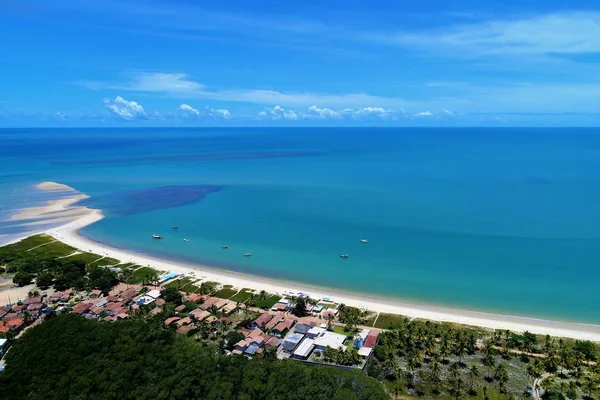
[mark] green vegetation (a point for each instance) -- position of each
(70, 357)
(243, 295)
(267, 302)
(348, 356)
(87, 258)
(226, 292)
(179, 283)
(441, 360)
(387, 321)
(106, 261)
(44, 259)
(144, 275)
(171, 295)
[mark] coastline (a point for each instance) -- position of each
(68, 233)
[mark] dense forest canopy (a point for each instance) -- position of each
(70, 357)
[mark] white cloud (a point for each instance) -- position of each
(181, 86)
(218, 113)
(277, 113)
(189, 109)
(321, 113)
(424, 114)
(566, 33)
(125, 109)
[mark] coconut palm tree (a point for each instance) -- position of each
(263, 295)
(436, 369)
(473, 374)
(589, 386)
(502, 377)
(126, 275)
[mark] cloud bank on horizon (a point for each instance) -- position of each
(159, 62)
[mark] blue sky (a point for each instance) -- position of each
(272, 62)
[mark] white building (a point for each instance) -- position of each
(304, 349)
(330, 339)
(315, 331)
(155, 294)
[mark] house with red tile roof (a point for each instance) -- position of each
(169, 321)
(283, 327)
(272, 341)
(195, 297)
(255, 333)
(32, 300)
(211, 319)
(18, 308)
(81, 308)
(160, 302)
(277, 318)
(180, 308)
(183, 321)
(185, 329)
(113, 298)
(94, 294)
(209, 302)
(262, 320)
(199, 314)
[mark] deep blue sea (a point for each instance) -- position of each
(501, 220)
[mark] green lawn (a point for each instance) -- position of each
(385, 320)
(28, 243)
(269, 301)
(53, 249)
(226, 292)
(242, 296)
(190, 288)
(131, 266)
(106, 261)
(179, 283)
(141, 273)
(87, 258)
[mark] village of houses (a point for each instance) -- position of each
(276, 328)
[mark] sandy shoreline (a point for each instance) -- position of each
(68, 234)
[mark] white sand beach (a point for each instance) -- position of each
(68, 234)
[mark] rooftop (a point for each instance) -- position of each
(305, 347)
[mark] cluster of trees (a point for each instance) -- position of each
(341, 356)
(62, 273)
(442, 359)
(351, 317)
(72, 357)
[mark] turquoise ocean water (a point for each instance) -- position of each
(500, 220)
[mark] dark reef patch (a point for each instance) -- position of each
(131, 202)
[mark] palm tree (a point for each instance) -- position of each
(263, 295)
(126, 275)
(473, 374)
(489, 362)
(436, 368)
(502, 377)
(330, 319)
(589, 386)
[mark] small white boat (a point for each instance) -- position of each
(174, 227)
(364, 241)
(155, 236)
(186, 240)
(224, 247)
(248, 255)
(344, 256)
